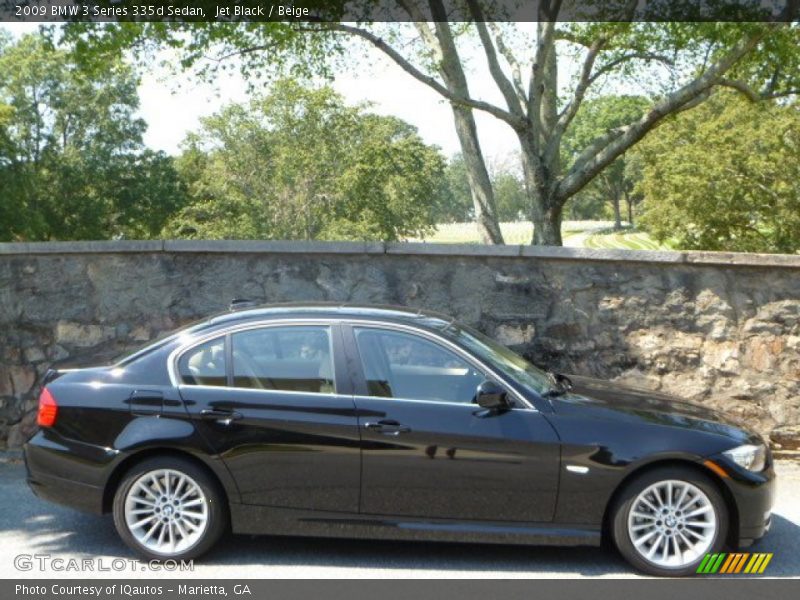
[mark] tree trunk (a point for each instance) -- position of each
(545, 214)
(477, 174)
(478, 177)
(546, 226)
(629, 202)
(617, 214)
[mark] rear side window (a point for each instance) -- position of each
(204, 364)
(294, 359)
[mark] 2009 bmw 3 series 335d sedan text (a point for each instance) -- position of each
(376, 422)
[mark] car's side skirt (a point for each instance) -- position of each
(267, 520)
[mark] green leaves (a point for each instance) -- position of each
(725, 176)
(72, 162)
(300, 164)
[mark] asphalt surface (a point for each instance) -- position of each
(29, 526)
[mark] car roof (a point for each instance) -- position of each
(335, 310)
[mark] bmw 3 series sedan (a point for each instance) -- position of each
(388, 423)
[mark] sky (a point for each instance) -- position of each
(173, 105)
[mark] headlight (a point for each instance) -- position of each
(752, 458)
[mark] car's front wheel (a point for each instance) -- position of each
(169, 508)
(666, 520)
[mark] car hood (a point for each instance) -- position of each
(612, 400)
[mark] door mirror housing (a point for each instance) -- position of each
(492, 396)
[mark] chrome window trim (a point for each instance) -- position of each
(281, 392)
(174, 356)
(435, 338)
(438, 402)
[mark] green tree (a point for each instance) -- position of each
(688, 62)
(301, 164)
(456, 206)
(71, 153)
(510, 195)
(615, 183)
(725, 177)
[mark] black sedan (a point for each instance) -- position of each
(380, 422)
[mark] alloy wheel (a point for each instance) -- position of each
(166, 511)
(672, 523)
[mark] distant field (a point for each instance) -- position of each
(577, 234)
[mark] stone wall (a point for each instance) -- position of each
(719, 329)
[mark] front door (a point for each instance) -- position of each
(269, 400)
(429, 451)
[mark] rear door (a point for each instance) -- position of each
(429, 451)
(276, 403)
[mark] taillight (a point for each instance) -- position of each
(48, 409)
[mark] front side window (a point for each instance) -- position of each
(503, 359)
(204, 364)
(403, 365)
(295, 359)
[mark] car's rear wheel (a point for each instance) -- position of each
(666, 520)
(169, 508)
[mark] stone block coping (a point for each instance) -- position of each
(733, 259)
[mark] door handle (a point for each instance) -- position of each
(220, 415)
(387, 427)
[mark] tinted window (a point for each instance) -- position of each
(204, 364)
(297, 359)
(401, 365)
(504, 360)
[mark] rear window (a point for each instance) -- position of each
(204, 364)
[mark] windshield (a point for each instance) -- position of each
(509, 363)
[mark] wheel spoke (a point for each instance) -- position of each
(699, 511)
(674, 539)
(157, 486)
(641, 515)
(150, 532)
(655, 545)
(181, 530)
(645, 537)
(147, 491)
(679, 502)
(179, 486)
(647, 503)
(141, 522)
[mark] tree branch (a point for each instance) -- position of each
(569, 112)
(544, 45)
(597, 156)
(421, 25)
(506, 88)
(513, 120)
(752, 95)
(609, 66)
(516, 71)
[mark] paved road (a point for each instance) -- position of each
(31, 526)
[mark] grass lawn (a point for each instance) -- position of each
(632, 240)
(583, 234)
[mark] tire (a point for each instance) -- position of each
(700, 517)
(169, 508)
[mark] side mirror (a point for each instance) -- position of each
(490, 395)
